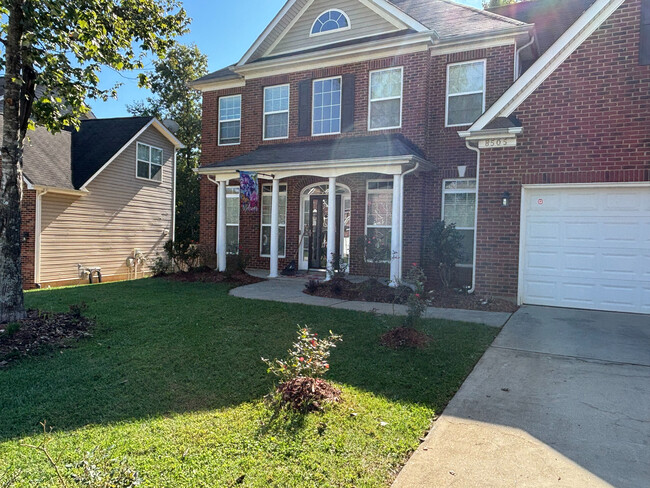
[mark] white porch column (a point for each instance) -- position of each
(275, 222)
(221, 226)
(395, 233)
(331, 225)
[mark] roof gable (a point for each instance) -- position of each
(363, 22)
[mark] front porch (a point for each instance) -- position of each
(360, 181)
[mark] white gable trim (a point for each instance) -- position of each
(387, 10)
(527, 83)
(289, 27)
(158, 125)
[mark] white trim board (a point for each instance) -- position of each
(155, 122)
(566, 45)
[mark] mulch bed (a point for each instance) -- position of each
(374, 291)
(402, 337)
(308, 394)
(41, 331)
(208, 275)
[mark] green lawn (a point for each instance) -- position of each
(172, 379)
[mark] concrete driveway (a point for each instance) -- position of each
(562, 398)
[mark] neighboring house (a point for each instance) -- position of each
(391, 115)
(96, 197)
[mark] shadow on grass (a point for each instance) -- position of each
(162, 347)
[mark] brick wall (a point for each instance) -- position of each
(423, 122)
(28, 233)
(588, 122)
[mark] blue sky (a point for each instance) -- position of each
(223, 29)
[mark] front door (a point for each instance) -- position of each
(319, 214)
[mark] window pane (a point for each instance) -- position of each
(276, 125)
(465, 78)
(266, 209)
(467, 247)
(156, 155)
(232, 211)
(385, 114)
(327, 106)
(232, 239)
(143, 152)
(282, 204)
(329, 21)
(229, 132)
(380, 208)
(281, 240)
(385, 84)
(276, 98)
(381, 239)
(266, 240)
(230, 108)
(156, 172)
(460, 208)
(465, 109)
(143, 169)
(460, 184)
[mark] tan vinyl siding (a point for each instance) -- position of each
(283, 23)
(363, 22)
(121, 213)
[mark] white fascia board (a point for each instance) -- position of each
(156, 123)
(266, 32)
(568, 42)
(28, 184)
(288, 28)
(62, 191)
(218, 85)
(490, 133)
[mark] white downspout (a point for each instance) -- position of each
(37, 237)
(518, 51)
(478, 167)
(173, 230)
(401, 217)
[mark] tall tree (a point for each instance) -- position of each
(61, 46)
(173, 99)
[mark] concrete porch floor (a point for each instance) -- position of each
(290, 290)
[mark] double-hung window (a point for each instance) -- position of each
(379, 217)
(265, 246)
(465, 92)
(385, 111)
(232, 219)
(229, 120)
(149, 161)
(459, 207)
(276, 112)
(326, 116)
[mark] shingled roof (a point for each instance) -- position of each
(345, 148)
(97, 141)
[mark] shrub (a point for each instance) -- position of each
(12, 328)
(308, 357)
(237, 263)
(160, 266)
(183, 255)
(312, 285)
(375, 249)
(339, 266)
(416, 303)
(444, 250)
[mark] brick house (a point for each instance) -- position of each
(392, 115)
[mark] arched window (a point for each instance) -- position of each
(329, 21)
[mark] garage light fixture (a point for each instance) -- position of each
(505, 199)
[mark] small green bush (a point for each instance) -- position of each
(12, 328)
(183, 255)
(444, 250)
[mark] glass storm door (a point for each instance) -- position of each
(318, 216)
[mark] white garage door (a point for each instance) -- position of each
(586, 247)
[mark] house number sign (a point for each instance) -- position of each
(497, 142)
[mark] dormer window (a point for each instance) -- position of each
(330, 21)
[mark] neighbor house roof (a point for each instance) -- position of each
(551, 17)
(46, 159)
(98, 140)
(346, 148)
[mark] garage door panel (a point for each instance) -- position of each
(587, 248)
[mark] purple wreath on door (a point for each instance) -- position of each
(248, 191)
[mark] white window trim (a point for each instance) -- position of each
(401, 97)
(340, 29)
(313, 106)
(233, 196)
(262, 225)
(366, 226)
(162, 164)
(219, 121)
(447, 95)
(265, 113)
(458, 191)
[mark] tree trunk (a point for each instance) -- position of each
(11, 284)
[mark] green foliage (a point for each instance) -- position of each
(99, 469)
(183, 255)
(374, 250)
(444, 250)
(173, 99)
(11, 328)
(160, 266)
(309, 357)
(416, 303)
(237, 263)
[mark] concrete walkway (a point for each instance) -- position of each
(561, 399)
(290, 290)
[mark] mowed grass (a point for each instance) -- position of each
(172, 380)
